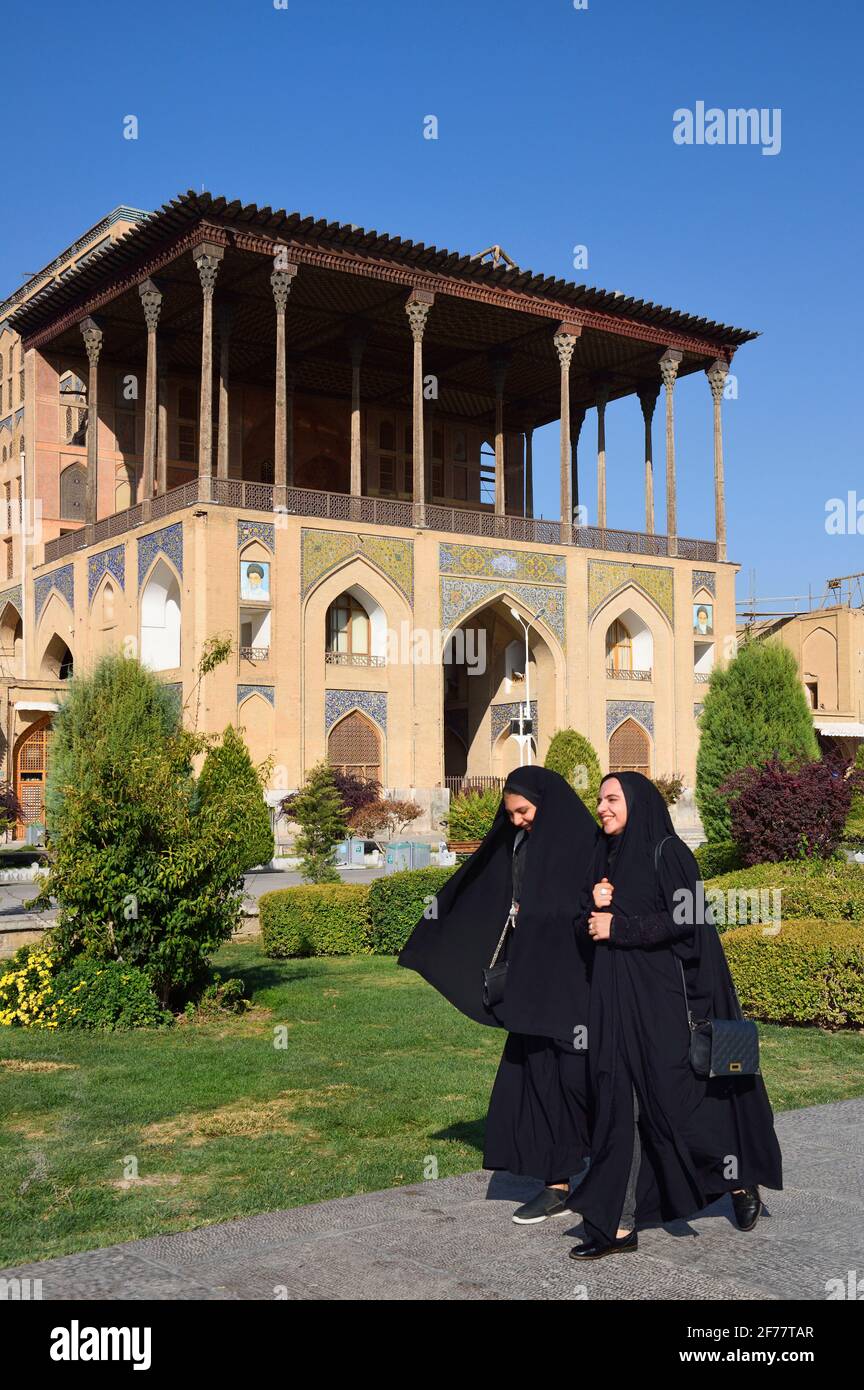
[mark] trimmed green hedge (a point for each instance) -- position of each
(396, 903)
(721, 857)
(343, 919)
(316, 919)
(830, 890)
(810, 972)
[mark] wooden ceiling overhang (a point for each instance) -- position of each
(354, 284)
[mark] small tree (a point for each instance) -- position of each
(391, 817)
(147, 869)
(105, 719)
(781, 813)
(228, 775)
(318, 810)
(755, 710)
(572, 755)
(10, 807)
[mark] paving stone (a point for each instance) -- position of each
(453, 1240)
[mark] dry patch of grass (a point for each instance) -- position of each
(16, 1064)
(247, 1119)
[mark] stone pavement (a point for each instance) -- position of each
(453, 1239)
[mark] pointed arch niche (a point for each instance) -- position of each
(354, 745)
(406, 682)
(256, 720)
(161, 618)
(11, 639)
(632, 656)
(484, 666)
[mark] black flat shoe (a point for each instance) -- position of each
(596, 1249)
(550, 1201)
(748, 1205)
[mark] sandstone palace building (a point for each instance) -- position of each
(318, 440)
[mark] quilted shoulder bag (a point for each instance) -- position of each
(719, 1046)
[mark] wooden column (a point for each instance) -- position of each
(290, 384)
(529, 472)
(208, 257)
(499, 362)
(648, 400)
(280, 283)
(577, 420)
(92, 335)
(565, 341)
(602, 401)
(716, 375)
(222, 437)
(151, 301)
(669, 363)
(165, 341)
(358, 343)
(417, 308)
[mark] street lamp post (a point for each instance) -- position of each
(525, 710)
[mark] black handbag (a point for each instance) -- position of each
(719, 1046)
(495, 975)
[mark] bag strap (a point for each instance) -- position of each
(691, 1025)
(511, 921)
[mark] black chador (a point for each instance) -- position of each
(699, 1137)
(537, 1121)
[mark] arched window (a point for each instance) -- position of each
(160, 620)
(73, 487)
(619, 647)
(57, 663)
(348, 627)
(630, 749)
(354, 746)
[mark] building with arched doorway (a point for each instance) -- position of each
(318, 441)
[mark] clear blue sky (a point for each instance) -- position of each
(555, 128)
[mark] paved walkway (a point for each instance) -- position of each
(453, 1239)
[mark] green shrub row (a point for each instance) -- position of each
(829, 890)
(810, 972)
(721, 857)
(343, 919)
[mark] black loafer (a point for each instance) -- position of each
(748, 1205)
(596, 1249)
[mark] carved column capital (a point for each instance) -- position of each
(280, 283)
(208, 257)
(669, 364)
(648, 400)
(717, 374)
(151, 302)
(565, 339)
(417, 308)
(92, 335)
(601, 397)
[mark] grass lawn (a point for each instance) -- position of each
(378, 1075)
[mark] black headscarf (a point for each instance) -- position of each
(546, 992)
(638, 1023)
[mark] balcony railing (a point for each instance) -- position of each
(623, 675)
(353, 659)
(254, 653)
(377, 511)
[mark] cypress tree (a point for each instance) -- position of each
(755, 709)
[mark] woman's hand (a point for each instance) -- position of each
(599, 925)
(603, 892)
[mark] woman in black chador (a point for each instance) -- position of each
(699, 1137)
(534, 860)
